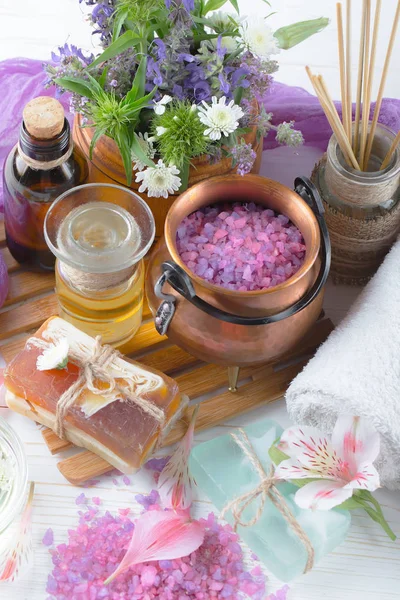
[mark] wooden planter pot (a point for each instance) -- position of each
(106, 167)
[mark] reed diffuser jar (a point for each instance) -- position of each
(100, 234)
(15, 542)
(362, 208)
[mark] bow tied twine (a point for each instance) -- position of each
(94, 364)
(266, 489)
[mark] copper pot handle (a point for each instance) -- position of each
(181, 282)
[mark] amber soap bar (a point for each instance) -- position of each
(117, 430)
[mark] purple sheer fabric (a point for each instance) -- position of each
(22, 79)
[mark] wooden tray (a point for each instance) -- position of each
(31, 300)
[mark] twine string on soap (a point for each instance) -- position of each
(45, 165)
(266, 489)
(94, 364)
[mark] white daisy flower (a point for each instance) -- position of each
(54, 357)
(258, 38)
(222, 21)
(160, 130)
(220, 118)
(159, 180)
(146, 143)
(159, 107)
(225, 22)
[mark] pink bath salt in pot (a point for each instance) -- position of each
(242, 247)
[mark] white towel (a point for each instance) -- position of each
(357, 370)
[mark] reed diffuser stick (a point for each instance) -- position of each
(349, 106)
(340, 133)
(374, 45)
(342, 64)
(390, 152)
(382, 84)
(365, 114)
(333, 118)
(360, 78)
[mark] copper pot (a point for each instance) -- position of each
(230, 327)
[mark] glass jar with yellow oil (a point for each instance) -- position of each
(100, 234)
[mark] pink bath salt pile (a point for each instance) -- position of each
(242, 247)
(96, 547)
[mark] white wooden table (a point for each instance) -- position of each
(365, 567)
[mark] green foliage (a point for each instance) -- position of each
(122, 43)
(294, 34)
(184, 136)
(114, 117)
(137, 15)
(213, 5)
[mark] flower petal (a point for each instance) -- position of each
(313, 451)
(366, 478)
(53, 357)
(293, 469)
(175, 484)
(356, 440)
(165, 99)
(322, 495)
(161, 535)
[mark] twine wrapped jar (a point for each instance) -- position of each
(362, 209)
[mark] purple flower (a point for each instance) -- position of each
(202, 91)
(185, 57)
(221, 51)
(244, 156)
(71, 51)
(161, 49)
(239, 77)
(177, 91)
(101, 14)
(189, 5)
(225, 87)
(154, 72)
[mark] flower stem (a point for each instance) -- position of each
(184, 174)
(375, 514)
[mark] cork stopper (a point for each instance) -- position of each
(44, 117)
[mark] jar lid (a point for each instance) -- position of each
(99, 228)
(43, 117)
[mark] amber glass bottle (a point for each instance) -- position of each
(42, 166)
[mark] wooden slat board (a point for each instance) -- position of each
(31, 300)
(2, 234)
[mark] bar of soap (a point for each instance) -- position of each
(223, 472)
(120, 432)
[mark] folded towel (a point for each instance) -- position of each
(357, 370)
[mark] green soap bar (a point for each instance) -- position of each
(223, 472)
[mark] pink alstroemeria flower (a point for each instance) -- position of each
(343, 464)
(175, 484)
